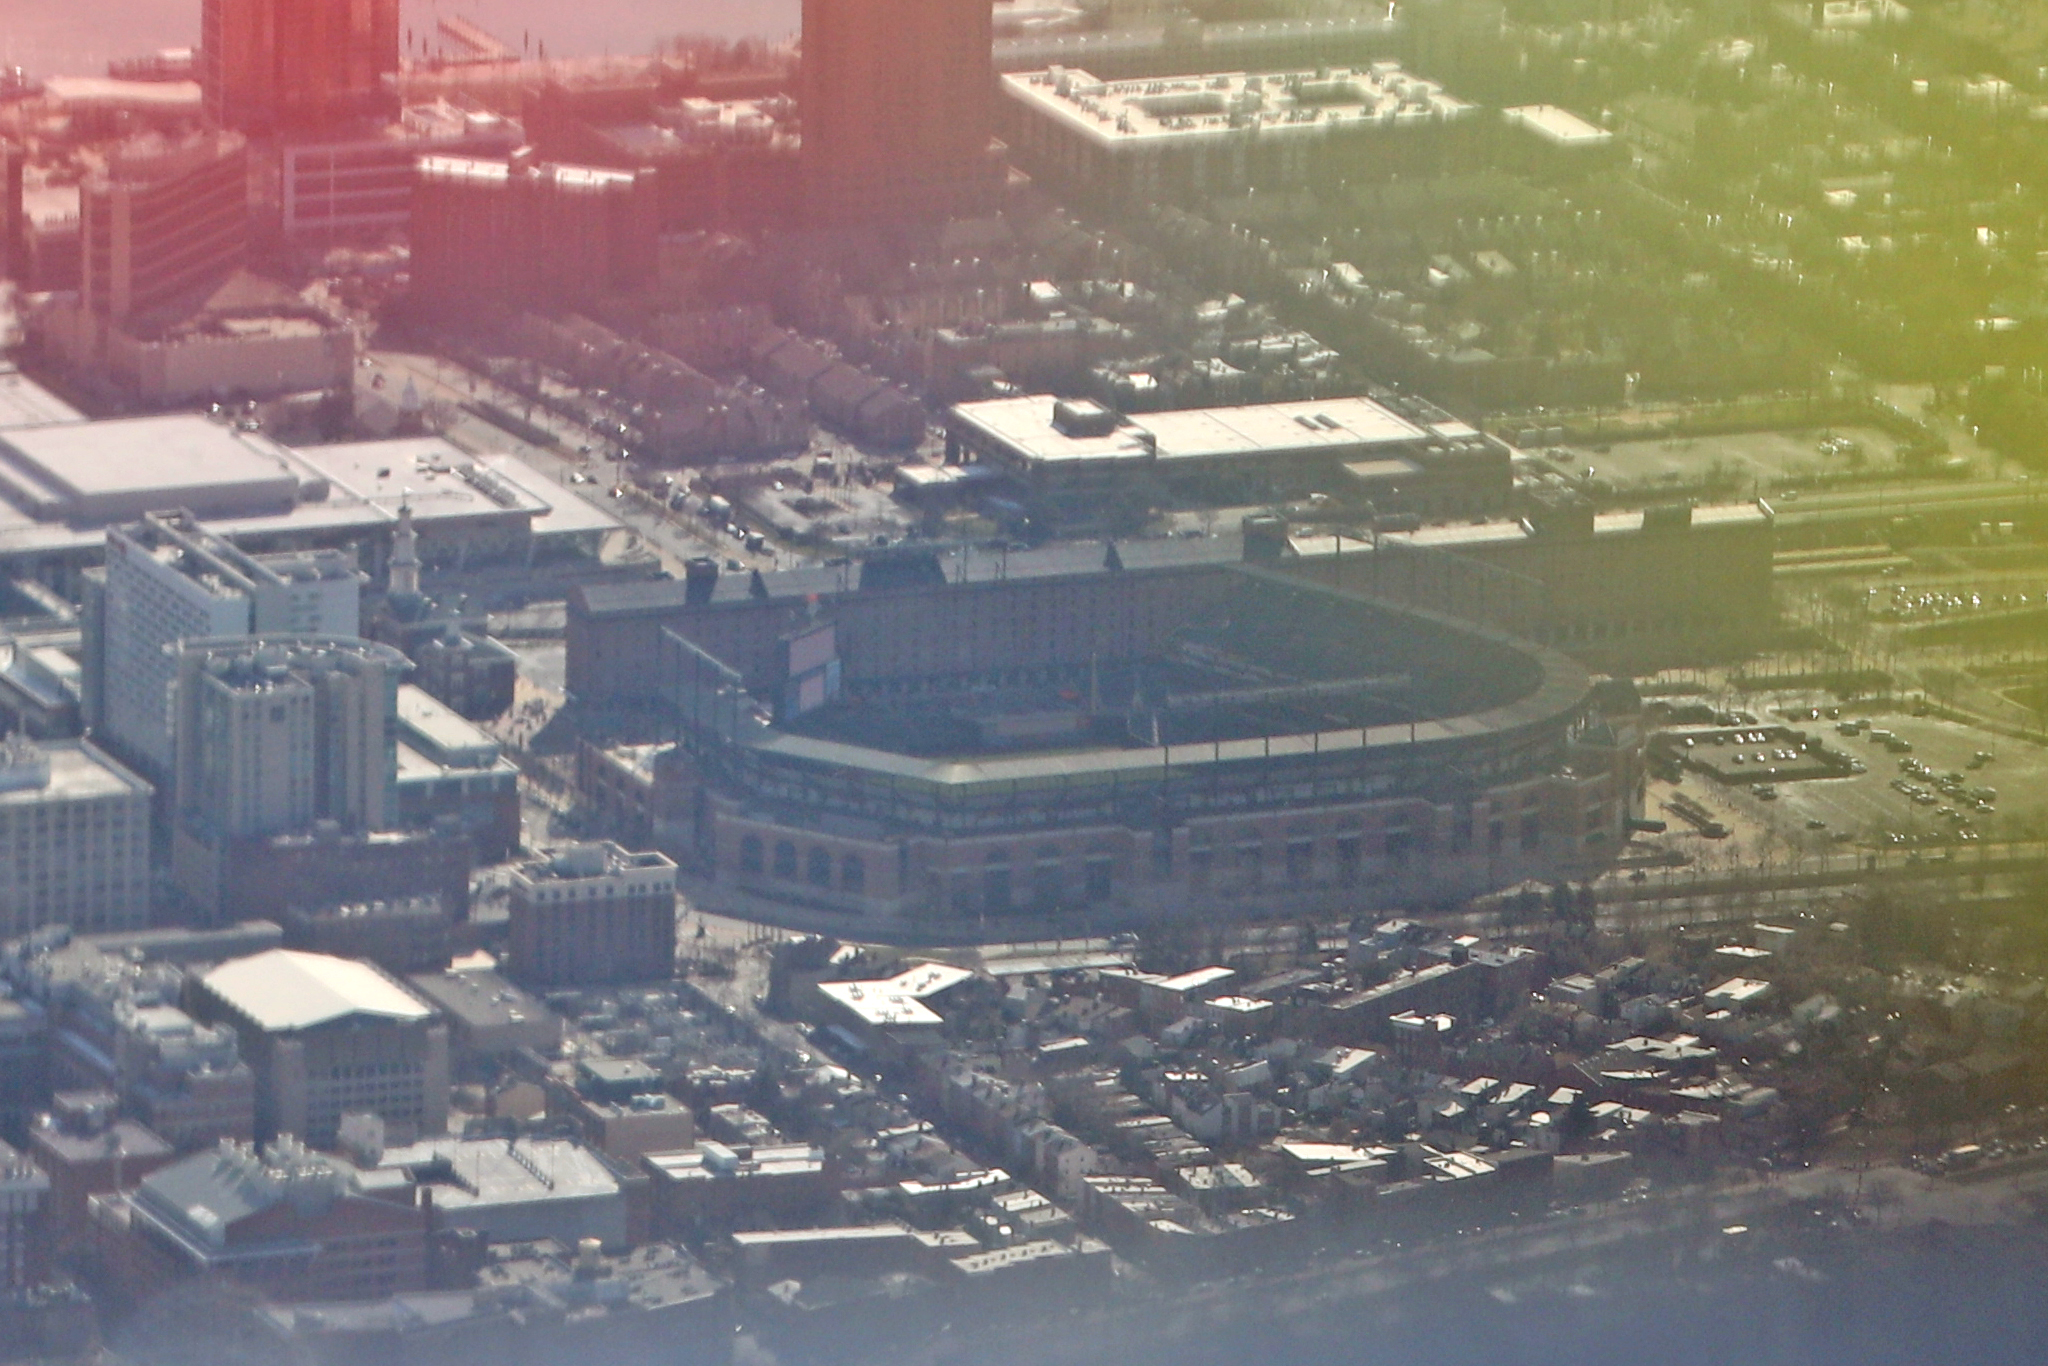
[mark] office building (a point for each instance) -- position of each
(24, 1061)
(1070, 459)
(23, 1190)
(895, 101)
(248, 337)
(167, 580)
(50, 237)
(1140, 142)
(593, 913)
(87, 1149)
(276, 733)
(399, 934)
(118, 1026)
(165, 222)
(490, 237)
(63, 483)
(711, 1184)
(512, 1191)
(722, 164)
(74, 838)
(165, 308)
(281, 65)
(452, 774)
(1269, 43)
(488, 1017)
(331, 1036)
(360, 187)
(286, 1221)
(625, 1116)
(278, 876)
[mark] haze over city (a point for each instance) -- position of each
(53, 36)
(932, 681)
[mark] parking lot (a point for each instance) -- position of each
(1866, 807)
(1742, 460)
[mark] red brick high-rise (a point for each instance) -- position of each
(897, 104)
(296, 65)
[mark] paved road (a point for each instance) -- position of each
(675, 537)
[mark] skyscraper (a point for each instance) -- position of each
(278, 735)
(168, 579)
(277, 732)
(897, 109)
(297, 65)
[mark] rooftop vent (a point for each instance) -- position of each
(1079, 417)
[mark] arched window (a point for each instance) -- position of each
(853, 873)
(995, 882)
(750, 854)
(1048, 882)
(785, 859)
(818, 868)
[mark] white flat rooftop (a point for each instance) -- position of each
(62, 481)
(488, 171)
(122, 468)
(25, 403)
(78, 773)
(452, 738)
(563, 511)
(1559, 126)
(1196, 980)
(926, 979)
(160, 96)
(880, 1009)
(1165, 111)
(283, 990)
(435, 477)
(493, 1173)
(1337, 427)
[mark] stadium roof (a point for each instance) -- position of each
(284, 990)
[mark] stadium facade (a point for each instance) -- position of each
(1115, 734)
